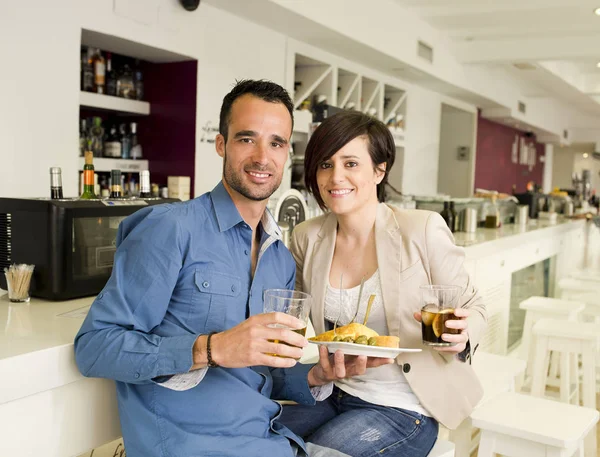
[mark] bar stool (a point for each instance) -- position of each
(442, 448)
(516, 425)
(584, 291)
(571, 340)
(498, 374)
(586, 275)
(539, 308)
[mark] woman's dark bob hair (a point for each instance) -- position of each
(337, 131)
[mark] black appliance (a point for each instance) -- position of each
(533, 200)
(71, 242)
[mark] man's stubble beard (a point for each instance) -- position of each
(235, 181)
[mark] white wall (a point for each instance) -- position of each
(547, 184)
(39, 85)
(420, 167)
(457, 129)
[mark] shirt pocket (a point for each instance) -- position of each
(214, 294)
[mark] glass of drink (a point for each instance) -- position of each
(437, 307)
(290, 302)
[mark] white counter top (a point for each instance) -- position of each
(36, 342)
(36, 345)
(484, 240)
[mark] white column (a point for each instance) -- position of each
(548, 163)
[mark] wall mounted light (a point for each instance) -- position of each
(597, 11)
(585, 155)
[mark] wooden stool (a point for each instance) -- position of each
(570, 339)
(516, 425)
(442, 448)
(539, 308)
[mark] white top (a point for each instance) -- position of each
(551, 305)
(535, 419)
(386, 385)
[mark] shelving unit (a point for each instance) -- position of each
(311, 71)
(316, 78)
(168, 138)
(396, 100)
(114, 104)
(369, 98)
(104, 165)
(349, 85)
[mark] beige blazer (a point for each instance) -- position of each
(414, 248)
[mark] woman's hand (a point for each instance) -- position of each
(338, 366)
(461, 338)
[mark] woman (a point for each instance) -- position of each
(393, 409)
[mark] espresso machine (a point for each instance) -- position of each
(291, 209)
(582, 187)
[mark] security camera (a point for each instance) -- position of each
(190, 5)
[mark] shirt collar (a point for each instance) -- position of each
(228, 215)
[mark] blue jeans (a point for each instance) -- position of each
(360, 429)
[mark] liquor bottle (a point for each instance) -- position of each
(99, 65)
(111, 77)
(492, 219)
(97, 137)
(56, 190)
(447, 215)
(136, 148)
(87, 70)
(454, 227)
(83, 137)
(88, 177)
(145, 191)
(125, 84)
(138, 81)
(112, 145)
(115, 184)
(125, 142)
(104, 187)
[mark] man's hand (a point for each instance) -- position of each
(461, 338)
(339, 366)
(249, 343)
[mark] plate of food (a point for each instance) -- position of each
(358, 339)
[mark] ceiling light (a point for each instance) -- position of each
(597, 11)
(585, 155)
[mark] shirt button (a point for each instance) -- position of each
(406, 367)
(137, 375)
(205, 284)
(250, 293)
(100, 295)
(246, 251)
(233, 288)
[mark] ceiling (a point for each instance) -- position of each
(551, 46)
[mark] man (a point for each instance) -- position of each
(179, 323)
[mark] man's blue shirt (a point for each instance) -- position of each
(182, 270)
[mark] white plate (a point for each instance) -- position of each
(363, 349)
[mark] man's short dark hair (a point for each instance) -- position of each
(263, 89)
(337, 131)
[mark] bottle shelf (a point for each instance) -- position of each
(114, 104)
(105, 164)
